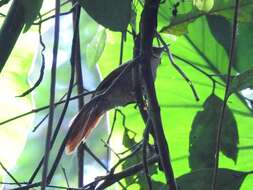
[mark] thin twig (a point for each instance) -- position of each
(72, 60)
(37, 83)
(144, 155)
(53, 16)
(111, 179)
(133, 153)
(99, 161)
(44, 108)
(170, 56)
(45, 117)
(65, 176)
(50, 186)
(114, 121)
(226, 96)
(40, 122)
(79, 80)
(202, 71)
(86, 148)
(10, 175)
(52, 94)
(52, 10)
(121, 48)
(110, 148)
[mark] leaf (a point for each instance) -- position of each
(204, 5)
(176, 24)
(10, 31)
(204, 132)
(202, 179)
(32, 9)
(179, 24)
(219, 26)
(3, 2)
(95, 48)
(242, 81)
(129, 142)
(112, 14)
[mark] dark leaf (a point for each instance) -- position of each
(204, 131)
(32, 9)
(221, 30)
(3, 2)
(202, 179)
(112, 14)
(10, 30)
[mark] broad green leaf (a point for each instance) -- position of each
(204, 132)
(178, 24)
(112, 14)
(204, 5)
(242, 81)
(227, 179)
(32, 9)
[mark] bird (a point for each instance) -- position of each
(121, 93)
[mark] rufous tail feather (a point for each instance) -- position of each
(82, 125)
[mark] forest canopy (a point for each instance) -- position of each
(182, 123)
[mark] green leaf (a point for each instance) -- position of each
(204, 132)
(179, 24)
(242, 81)
(176, 24)
(112, 14)
(129, 142)
(204, 5)
(221, 30)
(202, 179)
(95, 48)
(32, 9)
(3, 2)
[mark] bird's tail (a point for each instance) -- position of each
(83, 124)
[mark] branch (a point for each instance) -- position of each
(148, 28)
(52, 94)
(80, 87)
(44, 108)
(111, 179)
(10, 175)
(189, 82)
(226, 96)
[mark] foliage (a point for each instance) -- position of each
(199, 36)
